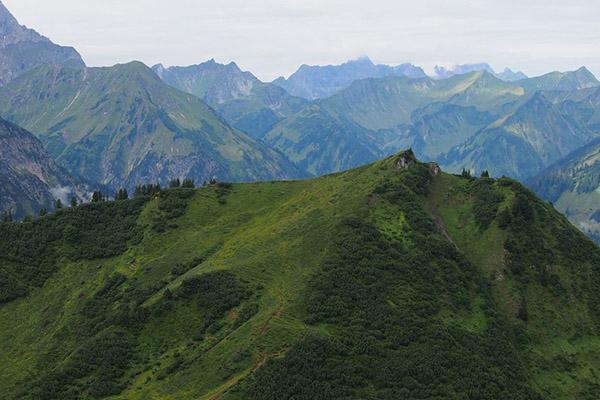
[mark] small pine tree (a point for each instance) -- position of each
(43, 212)
(175, 183)
(73, 202)
(485, 174)
(58, 204)
(188, 184)
(97, 197)
(122, 195)
(466, 173)
(7, 216)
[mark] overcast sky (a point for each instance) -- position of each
(273, 37)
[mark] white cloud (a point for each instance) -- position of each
(272, 37)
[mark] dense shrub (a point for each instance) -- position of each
(487, 201)
(31, 251)
(215, 293)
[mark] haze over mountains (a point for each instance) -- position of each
(128, 124)
(316, 256)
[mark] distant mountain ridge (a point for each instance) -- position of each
(22, 49)
(507, 74)
(317, 82)
(241, 98)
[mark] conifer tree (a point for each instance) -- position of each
(188, 184)
(122, 195)
(7, 216)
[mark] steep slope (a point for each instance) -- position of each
(29, 178)
(386, 282)
(241, 98)
(573, 185)
(320, 142)
(22, 49)
(442, 126)
(521, 144)
(122, 126)
(318, 82)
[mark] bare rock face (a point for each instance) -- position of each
(406, 160)
(29, 178)
(435, 169)
(22, 49)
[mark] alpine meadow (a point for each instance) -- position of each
(353, 231)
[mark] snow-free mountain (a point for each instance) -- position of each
(22, 49)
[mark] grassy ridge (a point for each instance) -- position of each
(374, 283)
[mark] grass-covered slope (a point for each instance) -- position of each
(391, 281)
(121, 126)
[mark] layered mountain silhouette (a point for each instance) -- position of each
(122, 126)
(243, 100)
(507, 74)
(316, 82)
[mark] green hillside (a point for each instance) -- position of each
(121, 125)
(391, 281)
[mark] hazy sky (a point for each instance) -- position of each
(273, 37)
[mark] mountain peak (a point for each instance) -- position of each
(22, 49)
(362, 60)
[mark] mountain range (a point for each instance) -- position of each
(122, 126)
(318, 259)
(316, 82)
(244, 101)
(507, 74)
